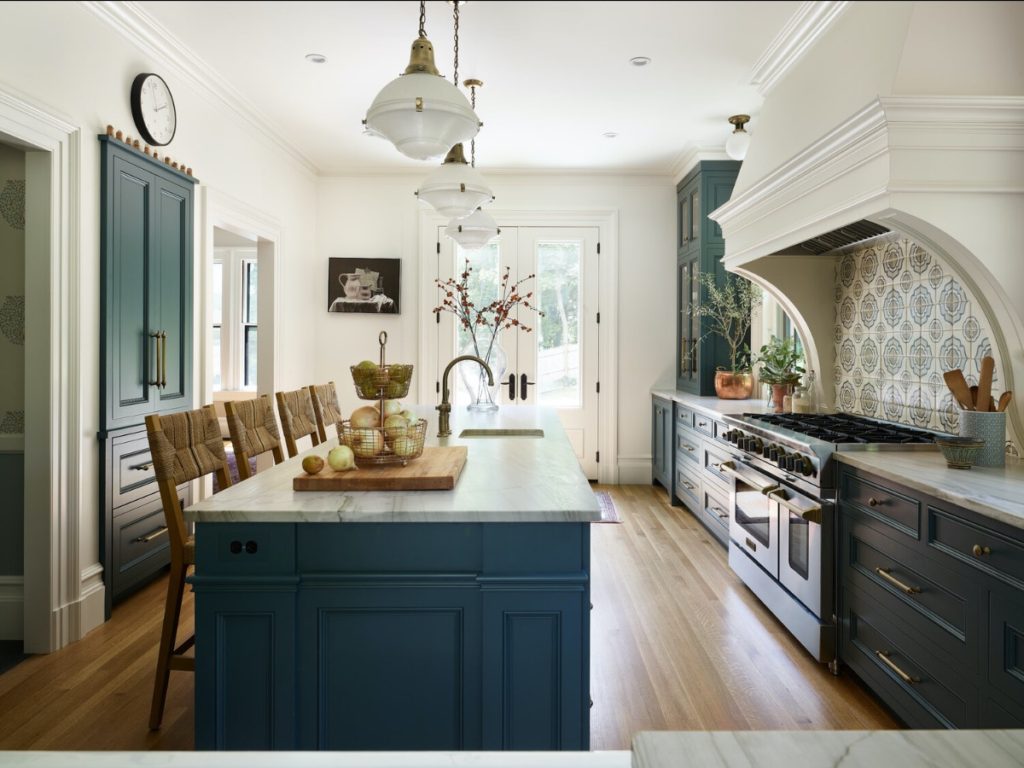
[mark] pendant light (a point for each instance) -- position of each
(456, 189)
(420, 112)
(479, 228)
(739, 140)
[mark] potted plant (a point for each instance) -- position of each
(727, 308)
(779, 365)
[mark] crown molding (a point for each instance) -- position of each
(156, 41)
(807, 25)
(693, 154)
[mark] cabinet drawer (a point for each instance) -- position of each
(684, 415)
(899, 512)
(704, 424)
(687, 487)
(132, 473)
(920, 687)
(140, 542)
(979, 547)
(924, 597)
(1006, 644)
(716, 513)
(688, 446)
(711, 458)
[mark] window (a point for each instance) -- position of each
(234, 306)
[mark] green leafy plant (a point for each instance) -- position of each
(727, 307)
(779, 362)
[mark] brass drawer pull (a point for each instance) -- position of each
(883, 656)
(150, 536)
(689, 486)
(897, 583)
(873, 502)
(689, 448)
(979, 551)
(155, 335)
(719, 512)
(142, 467)
(702, 423)
(810, 514)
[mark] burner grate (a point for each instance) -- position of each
(844, 428)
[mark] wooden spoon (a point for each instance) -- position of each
(958, 386)
(1004, 401)
(988, 366)
(974, 396)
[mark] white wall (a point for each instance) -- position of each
(64, 59)
(377, 216)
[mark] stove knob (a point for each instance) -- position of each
(767, 450)
(743, 443)
(773, 454)
(780, 460)
(755, 445)
(732, 435)
(804, 466)
(789, 463)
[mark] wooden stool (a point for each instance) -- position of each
(184, 446)
(253, 429)
(325, 407)
(297, 418)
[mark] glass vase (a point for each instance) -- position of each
(483, 396)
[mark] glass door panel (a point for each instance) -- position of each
(484, 269)
(558, 287)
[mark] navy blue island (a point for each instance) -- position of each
(414, 620)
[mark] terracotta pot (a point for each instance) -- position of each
(733, 386)
(779, 392)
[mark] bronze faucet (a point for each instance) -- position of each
(443, 427)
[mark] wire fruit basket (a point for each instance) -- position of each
(402, 441)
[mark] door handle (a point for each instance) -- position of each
(522, 385)
(729, 468)
(155, 335)
(511, 387)
(810, 514)
(163, 359)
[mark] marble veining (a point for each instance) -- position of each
(828, 749)
(995, 492)
(504, 480)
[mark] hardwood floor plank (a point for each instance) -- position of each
(677, 643)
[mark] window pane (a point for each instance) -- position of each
(250, 277)
(218, 292)
(218, 384)
(250, 356)
(483, 289)
(558, 352)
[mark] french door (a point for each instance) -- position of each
(555, 364)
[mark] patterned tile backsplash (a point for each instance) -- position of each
(902, 319)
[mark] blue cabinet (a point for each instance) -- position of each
(393, 636)
(661, 443)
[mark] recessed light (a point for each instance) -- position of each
(316, 58)
(610, 135)
(640, 61)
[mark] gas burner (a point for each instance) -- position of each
(844, 428)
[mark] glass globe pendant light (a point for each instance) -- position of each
(739, 140)
(473, 232)
(420, 112)
(456, 189)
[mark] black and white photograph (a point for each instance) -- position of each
(364, 285)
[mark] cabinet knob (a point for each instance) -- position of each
(872, 502)
(235, 547)
(251, 547)
(979, 551)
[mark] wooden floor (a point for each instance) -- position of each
(677, 643)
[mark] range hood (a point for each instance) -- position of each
(851, 234)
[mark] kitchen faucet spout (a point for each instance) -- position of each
(445, 408)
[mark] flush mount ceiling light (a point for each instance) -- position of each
(739, 140)
(610, 134)
(420, 112)
(473, 232)
(640, 61)
(316, 58)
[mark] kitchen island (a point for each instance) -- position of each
(415, 620)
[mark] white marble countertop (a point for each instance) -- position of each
(713, 406)
(513, 479)
(828, 749)
(997, 493)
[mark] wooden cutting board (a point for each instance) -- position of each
(438, 469)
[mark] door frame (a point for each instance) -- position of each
(60, 600)
(607, 223)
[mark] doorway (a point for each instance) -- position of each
(551, 348)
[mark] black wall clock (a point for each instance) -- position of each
(153, 109)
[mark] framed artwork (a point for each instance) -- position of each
(364, 285)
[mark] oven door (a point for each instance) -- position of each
(800, 546)
(753, 516)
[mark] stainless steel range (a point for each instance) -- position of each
(782, 521)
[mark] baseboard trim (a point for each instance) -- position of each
(91, 607)
(12, 607)
(634, 470)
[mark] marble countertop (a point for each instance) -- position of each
(996, 493)
(712, 406)
(827, 749)
(516, 479)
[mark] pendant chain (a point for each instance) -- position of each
(472, 144)
(456, 13)
(423, 18)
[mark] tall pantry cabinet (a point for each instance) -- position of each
(146, 318)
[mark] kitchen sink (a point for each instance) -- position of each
(502, 433)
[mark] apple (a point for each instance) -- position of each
(312, 465)
(404, 446)
(367, 366)
(367, 443)
(341, 459)
(395, 389)
(365, 417)
(395, 426)
(391, 407)
(409, 416)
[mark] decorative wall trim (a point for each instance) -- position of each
(147, 34)
(635, 470)
(12, 600)
(811, 21)
(692, 155)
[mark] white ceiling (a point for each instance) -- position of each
(557, 74)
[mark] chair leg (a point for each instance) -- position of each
(168, 636)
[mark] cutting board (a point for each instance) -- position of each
(438, 469)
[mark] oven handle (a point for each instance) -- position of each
(729, 468)
(811, 515)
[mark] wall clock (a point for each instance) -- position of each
(153, 109)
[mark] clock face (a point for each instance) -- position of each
(153, 109)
